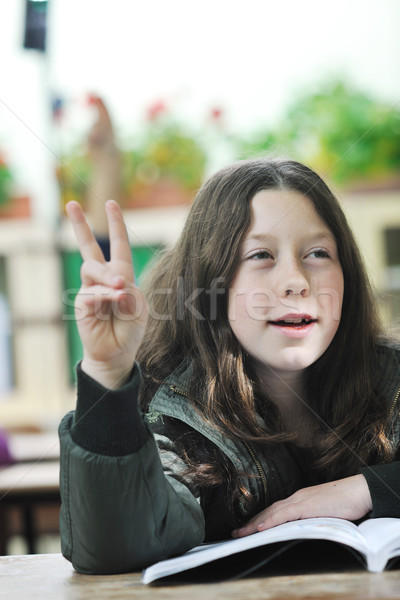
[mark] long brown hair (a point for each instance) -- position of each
(187, 292)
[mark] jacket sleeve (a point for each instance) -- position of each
(384, 486)
(384, 480)
(120, 510)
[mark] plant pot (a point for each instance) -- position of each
(16, 208)
(157, 195)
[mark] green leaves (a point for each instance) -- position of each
(166, 151)
(340, 132)
(6, 181)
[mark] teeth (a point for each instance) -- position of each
(293, 320)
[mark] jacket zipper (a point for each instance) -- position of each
(257, 463)
(259, 469)
(181, 393)
(395, 400)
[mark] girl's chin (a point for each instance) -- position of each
(285, 361)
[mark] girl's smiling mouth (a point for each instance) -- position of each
(294, 325)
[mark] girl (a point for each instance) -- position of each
(264, 377)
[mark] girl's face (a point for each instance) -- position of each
(286, 298)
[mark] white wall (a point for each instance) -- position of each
(250, 57)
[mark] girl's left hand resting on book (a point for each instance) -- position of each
(110, 310)
(347, 498)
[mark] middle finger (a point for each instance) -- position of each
(119, 241)
(88, 247)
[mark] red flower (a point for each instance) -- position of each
(156, 109)
(92, 99)
(216, 113)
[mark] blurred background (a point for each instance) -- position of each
(142, 100)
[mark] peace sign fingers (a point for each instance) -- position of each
(112, 312)
(88, 247)
(119, 241)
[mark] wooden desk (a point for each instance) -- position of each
(50, 576)
(27, 486)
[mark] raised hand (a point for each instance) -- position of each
(101, 138)
(110, 310)
(347, 498)
(106, 167)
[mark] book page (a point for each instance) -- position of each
(382, 535)
(337, 530)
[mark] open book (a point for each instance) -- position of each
(375, 540)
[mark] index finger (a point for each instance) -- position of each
(88, 247)
(119, 241)
(103, 113)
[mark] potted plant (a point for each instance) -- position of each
(11, 206)
(341, 132)
(165, 164)
(5, 182)
(162, 165)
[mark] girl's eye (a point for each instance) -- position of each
(261, 255)
(319, 253)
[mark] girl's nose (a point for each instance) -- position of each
(289, 291)
(294, 282)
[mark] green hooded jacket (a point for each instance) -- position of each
(126, 500)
